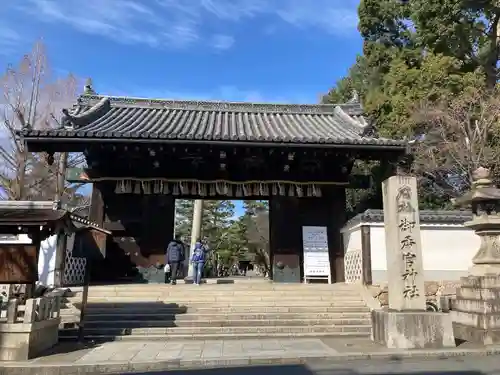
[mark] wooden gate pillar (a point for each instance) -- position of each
(287, 216)
(328, 211)
(285, 240)
(157, 227)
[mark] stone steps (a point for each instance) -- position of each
(217, 293)
(204, 291)
(245, 286)
(204, 336)
(222, 332)
(160, 312)
(165, 309)
(200, 304)
(113, 316)
(191, 297)
(123, 324)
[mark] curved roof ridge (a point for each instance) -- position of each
(350, 119)
(186, 104)
(81, 114)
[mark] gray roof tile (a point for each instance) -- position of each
(426, 217)
(119, 117)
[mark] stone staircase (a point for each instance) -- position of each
(240, 310)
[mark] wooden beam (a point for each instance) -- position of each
(366, 255)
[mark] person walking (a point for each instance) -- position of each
(198, 260)
(175, 257)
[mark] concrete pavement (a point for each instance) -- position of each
(141, 356)
(421, 366)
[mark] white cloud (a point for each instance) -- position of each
(333, 16)
(181, 23)
(222, 42)
(9, 39)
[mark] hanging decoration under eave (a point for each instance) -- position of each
(218, 188)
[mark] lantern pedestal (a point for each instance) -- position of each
(476, 310)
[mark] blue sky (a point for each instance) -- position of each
(239, 50)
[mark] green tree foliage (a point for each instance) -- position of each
(184, 218)
(217, 222)
(464, 29)
(217, 219)
(419, 54)
(255, 222)
(231, 239)
(233, 245)
(251, 207)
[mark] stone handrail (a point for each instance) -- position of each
(35, 310)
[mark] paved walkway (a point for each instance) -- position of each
(138, 356)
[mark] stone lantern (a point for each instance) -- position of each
(484, 198)
(475, 309)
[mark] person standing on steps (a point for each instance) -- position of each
(198, 260)
(175, 257)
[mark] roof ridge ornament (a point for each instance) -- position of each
(88, 89)
(76, 118)
(354, 97)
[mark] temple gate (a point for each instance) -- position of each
(142, 154)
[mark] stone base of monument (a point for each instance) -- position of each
(20, 341)
(412, 329)
(476, 310)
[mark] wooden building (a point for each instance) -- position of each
(24, 225)
(142, 154)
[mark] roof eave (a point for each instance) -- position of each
(402, 147)
(31, 223)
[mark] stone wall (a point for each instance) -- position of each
(434, 290)
(28, 330)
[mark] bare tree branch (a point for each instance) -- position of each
(31, 98)
(460, 136)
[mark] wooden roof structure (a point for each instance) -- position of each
(103, 118)
(41, 214)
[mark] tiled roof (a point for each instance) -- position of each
(117, 117)
(41, 213)
(24, 216)
(426, 217)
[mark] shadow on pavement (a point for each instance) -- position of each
(104, 321)
(298, 370)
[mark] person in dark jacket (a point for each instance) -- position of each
(175, 257)
(198, 260)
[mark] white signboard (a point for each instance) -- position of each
(316, 257)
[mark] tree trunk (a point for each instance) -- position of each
(492, 60)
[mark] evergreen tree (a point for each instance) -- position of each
(254, 226)
(418, 53)
(217, 218)
(250, 207)
(184, 218)
(466, 30)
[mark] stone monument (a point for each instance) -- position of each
(475, 312)
(406, 324)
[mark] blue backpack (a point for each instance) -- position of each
(198, 254)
